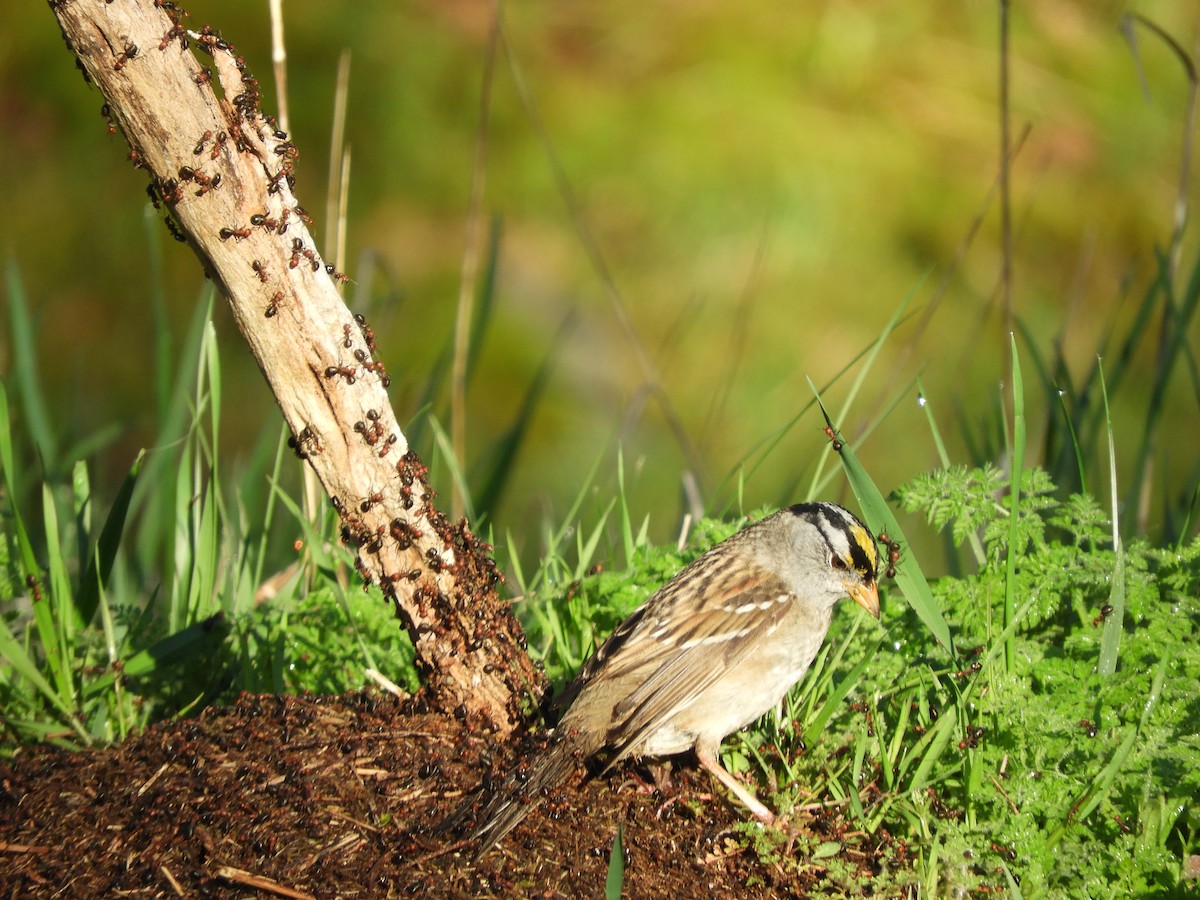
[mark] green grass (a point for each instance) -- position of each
(1045, 770)
(151, 611)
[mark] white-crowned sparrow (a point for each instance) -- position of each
(707, 654)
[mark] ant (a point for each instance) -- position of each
(367, 333)
(262, 220)
(974, 733)
(273, 306)
(218, 144)
(309, 437)
(206, 183)
(893, 553)
(170, 191)
(125, 56)
(972, 669)
(173, 227)
(204, 139)
(175, 31)
(297, 250)
(261, 271)
(832, 435)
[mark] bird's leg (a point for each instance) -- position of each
(708, 759)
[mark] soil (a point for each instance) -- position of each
(339, 797)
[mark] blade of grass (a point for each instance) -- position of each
(766, 445)
(514, 563)
(117, 708)
(1171, 346)
(24, 546)
(628, 544)
(101, 562)
(889, 754)
(586, 550)
(552, 555)
(929, 869)
(28, 384)
(454, 465)
(1189, 515)
(1110, 638)
(1014, 886)
(54, 616)
(154, 503)
(1075, 445)
(972, 685)
(928, 750)
(1018, 465)
(81, 511)
(934, 430)
(875, 509)
(614, 883)
(274, 492)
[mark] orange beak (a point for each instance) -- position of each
(866, 596)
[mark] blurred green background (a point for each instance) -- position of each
(766, 183)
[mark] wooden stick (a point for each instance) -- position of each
(222, 175)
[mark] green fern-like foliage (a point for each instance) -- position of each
(1095, 778)
(1064, 546)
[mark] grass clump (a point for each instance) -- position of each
(1043, 778)
(156, 608)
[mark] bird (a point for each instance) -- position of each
(707, 654)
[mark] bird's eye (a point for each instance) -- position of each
(837, 562)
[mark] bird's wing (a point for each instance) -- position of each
(687, 659)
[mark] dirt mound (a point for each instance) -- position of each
(337, 797)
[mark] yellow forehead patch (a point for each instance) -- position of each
(863, 552)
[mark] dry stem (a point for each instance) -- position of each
(222, 175)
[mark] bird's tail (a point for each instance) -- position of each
(525, 787)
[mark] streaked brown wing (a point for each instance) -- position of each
(690, 659)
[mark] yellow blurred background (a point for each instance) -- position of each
(765, 182)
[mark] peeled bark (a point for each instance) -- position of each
(221, 174)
